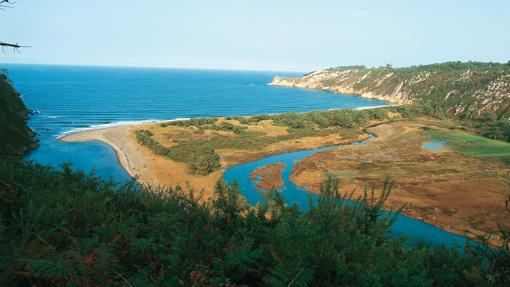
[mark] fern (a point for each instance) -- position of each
(48, 270)
(69, 228)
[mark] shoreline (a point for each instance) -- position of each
(309, 82)
(140, 163)
(116, 124)
(159, 121)
(87, 136)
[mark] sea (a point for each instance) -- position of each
(70, 98)
(65, 99)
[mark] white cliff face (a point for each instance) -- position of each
(489, 93)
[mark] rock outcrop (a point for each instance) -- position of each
(471, 89)
(16, 137)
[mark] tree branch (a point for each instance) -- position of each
(3, 5)
(14, 46)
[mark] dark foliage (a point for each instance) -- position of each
(16, 137)
(65, 228)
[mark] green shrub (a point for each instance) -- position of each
(253, 119)
(65, 228)
(291, 120)
(200, 158)
(224, 126)
(191, 122)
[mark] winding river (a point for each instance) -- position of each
(414, 230)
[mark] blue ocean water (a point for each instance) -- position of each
(71, 97)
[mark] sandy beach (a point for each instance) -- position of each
(140, 162)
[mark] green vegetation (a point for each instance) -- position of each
(322, 119)
(201, 159)
(473, 145)
(252, 119)
(475, 92)
(65, 228)
(463, 89)
(17, 137)
(492, 127)
(467, 90)
(191, 122)
(200, 154)
(224, 126)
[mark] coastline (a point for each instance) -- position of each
(140, 163)
(313, 82)
(116, 124)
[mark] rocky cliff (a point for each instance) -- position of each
(471, 89)
(16, 137)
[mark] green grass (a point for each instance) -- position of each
(473, 145)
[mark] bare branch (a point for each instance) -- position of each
(12, 45)
(9, 4)
(9, 45)
(3, 4)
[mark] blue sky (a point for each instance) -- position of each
(291, 35)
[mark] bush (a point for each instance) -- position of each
(253, 119)
(191, 122)
(201, 159)
(291, 120)
(224, 126)
(377, 114)
(67, 228)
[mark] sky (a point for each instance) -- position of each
(278, 35)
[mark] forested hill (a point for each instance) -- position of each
(15, 136)
(469, 89)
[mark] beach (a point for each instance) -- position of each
(141, 163)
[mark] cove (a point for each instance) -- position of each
(70, 98)
(414, 230)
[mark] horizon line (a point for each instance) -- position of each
(155, 67)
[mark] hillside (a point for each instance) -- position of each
(16, 136)
(64, 228)
(469, 89)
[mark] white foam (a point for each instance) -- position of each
(116, 124)
(364, 108)
(374, 107)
